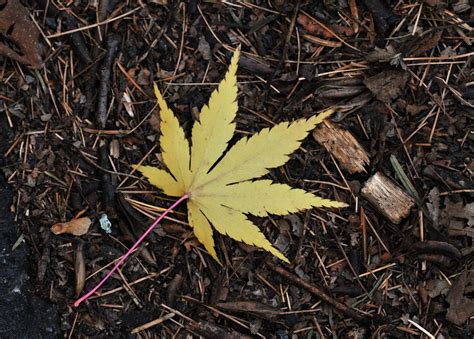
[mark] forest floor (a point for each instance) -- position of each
(77, 109)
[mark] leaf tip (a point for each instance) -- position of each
(137, 167)
(342, 204)
(237, 52)
(234, 60)
(280, 256)
(212, 252)
(156, 90)
(334, 204)
(218, 261)
(159, 97)
(319, 118)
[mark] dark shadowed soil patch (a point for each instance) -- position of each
(23, 313)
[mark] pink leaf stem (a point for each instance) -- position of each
(135, 245)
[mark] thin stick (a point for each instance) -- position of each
(152, 323)
(93, 25)
(321, 295)
(125, 256)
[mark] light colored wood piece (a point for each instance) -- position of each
(343, 146)
(387, 197)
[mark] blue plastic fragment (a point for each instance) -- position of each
(105, 223)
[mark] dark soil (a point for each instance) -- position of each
(401, 78)
(22, 313)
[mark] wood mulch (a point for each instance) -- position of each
(77, 109)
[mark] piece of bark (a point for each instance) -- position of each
(343, 146)
(387, 197)
(79, 267)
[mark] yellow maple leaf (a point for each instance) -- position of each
(221, 193)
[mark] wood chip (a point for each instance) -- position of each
(343, 146)
(79, 267)
(387, 197)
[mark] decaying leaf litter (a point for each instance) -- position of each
(71, 146)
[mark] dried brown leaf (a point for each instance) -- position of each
(382, 55)
(387, 85)
(461, 307)
(419, 45)
(17, 27)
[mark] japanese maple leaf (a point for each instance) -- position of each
(221, 192)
